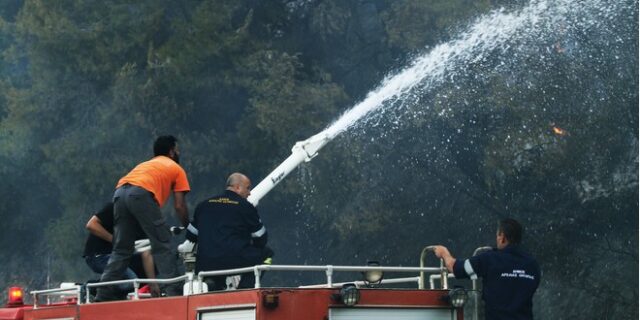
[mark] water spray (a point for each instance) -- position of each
(485, 37)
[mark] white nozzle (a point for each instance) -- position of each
(302, 151)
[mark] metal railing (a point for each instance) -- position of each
(75, 290)
(362, 283)
(433, 277)
(440, 273)
(443, 269)
(328, 269)
(136, 284)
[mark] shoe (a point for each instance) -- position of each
(232, 282)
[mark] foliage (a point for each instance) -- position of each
(545, 130)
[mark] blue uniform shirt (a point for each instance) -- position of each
(510, 277)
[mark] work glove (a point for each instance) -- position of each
(187, 246)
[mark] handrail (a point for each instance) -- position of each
(74, 289)
(444, 284)
(361, 283)
(257, 270)
(433, 277)
(136, 284)
(328, 269)
(480, 249)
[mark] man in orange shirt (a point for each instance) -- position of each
(138, 198)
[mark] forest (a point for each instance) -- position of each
(541, 125)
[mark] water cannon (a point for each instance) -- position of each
(311, 146)
(302, 151)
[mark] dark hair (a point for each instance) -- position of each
(163, 145)
(511, 229)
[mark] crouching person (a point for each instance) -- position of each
(230, 233)
(98, 247)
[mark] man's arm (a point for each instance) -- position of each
(443, 253)
(147, 264)
(180, 204)
(95, 227)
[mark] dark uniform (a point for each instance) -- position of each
(230, 235)
(510, 277)
(97, 251)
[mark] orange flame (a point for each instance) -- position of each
(559, 131)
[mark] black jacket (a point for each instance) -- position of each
(510, 277)
(230, 233)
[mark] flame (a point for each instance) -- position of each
(559, 131)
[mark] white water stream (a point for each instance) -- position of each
(491, 37)
(492, 32)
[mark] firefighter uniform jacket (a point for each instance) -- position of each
(230, 233)
(510, 277)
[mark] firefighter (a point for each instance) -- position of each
(230, 233)
(510, 276)
(98, 247)
(137, 200)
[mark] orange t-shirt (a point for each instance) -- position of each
(158, 176)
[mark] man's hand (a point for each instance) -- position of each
(441, 252)
(154, 289)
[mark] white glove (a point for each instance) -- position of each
(186, 247)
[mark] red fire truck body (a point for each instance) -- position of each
(258, 304)
(373, 298)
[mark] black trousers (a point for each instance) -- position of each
(136, 206)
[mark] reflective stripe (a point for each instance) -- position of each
(469, 269)
(192, 229)
(259, 233)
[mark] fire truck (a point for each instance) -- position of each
(371, 295)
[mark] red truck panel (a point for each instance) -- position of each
(14, 313)
(293, 303)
